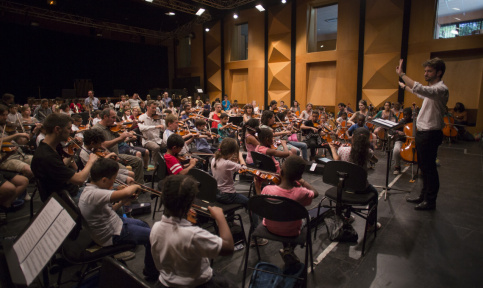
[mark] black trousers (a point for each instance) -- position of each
(427, 143)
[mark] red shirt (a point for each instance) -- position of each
(173, 164)
(214, 124)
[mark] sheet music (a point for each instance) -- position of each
(44, 236)
(387, 123)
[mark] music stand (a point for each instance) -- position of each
(389, 126)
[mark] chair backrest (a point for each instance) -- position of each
(277, 208)
(114, 274)
(161, 169)
(263, 162)
(208, 186)
(355, 180)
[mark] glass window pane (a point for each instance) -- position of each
(239, 46)
(325, 24)
(456, 18)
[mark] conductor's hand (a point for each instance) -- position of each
(401, 84)
(399, 70)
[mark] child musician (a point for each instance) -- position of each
(175, 144)
(182, 252)
(293, 187)
(266, 147)
(250, 135)
(224, 129)
(104, 225)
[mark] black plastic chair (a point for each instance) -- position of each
(275, 208)
(115, 274)
(75, 247)
(158, 176)
(207, 193)
(350, 178)
(262, 162)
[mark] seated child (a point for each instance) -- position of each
(250, 131)
(295, 188)
(174, 145)
(224, 129)
(266, 147)
(104, 225)
(182, 252)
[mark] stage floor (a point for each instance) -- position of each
(440, 248)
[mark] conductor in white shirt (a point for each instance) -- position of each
(429, 126)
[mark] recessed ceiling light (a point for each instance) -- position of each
(321, 46)
(150, 1)
(200, 11)
(457, 9)
(170, 13)
(260, 8)
(457, 19)
(235, 16)
(284, 1)
(207, 29)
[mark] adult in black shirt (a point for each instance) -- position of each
(54, 172)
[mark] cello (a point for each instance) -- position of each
(449, 130)
(408, 149)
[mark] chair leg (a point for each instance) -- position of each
(250, 189)
(247, 250)
(238, 217)
(155, 204)
(258, 249)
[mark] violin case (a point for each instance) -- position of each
(140, 208)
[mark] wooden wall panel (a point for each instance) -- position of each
(213, 61)
(239, 85)
(462, 54)
(279, 53)
(321, 83)
(382, 49)
(255, 64)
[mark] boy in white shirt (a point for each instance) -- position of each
(181, 251)
(105, 226)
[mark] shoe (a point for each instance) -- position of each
(397, 170)
(351, 219)
(415, 200)
(370, 228)
(289, 257)
(150, 275)
(260, 242)
(425, 206)
(125, 256)
(27, 197)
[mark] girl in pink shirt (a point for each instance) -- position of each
(266, 147)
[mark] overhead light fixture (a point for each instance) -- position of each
(457, 19)
(150, 1)
(284, 1)
(52, 2)
(200, 11)
(457, 9)
(235, 15)
(170, 13)
(321, 46)
(207, 29)
(260, 8)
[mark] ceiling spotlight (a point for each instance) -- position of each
(457, 9)
(457, 19)
(207, 29)
(200, 11)
(52, 2)
(284, 1)
(150, 1)
(235, 15)
(260, 8)
(170, 13)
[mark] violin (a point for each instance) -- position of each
(408, 149)
(264, 175)
(341, 132)
(196, 210)
(71, 147)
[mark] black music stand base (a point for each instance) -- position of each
(386, 188)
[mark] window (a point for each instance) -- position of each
(456, 18)
(184, 52)
(239, 50)
(323, 23)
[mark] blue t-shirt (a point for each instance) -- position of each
(354, 127)
(226, 105)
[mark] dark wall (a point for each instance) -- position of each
(31, 58)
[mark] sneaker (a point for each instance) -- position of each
(397, 170)
(27, 197)
(125, 256)
(289, 257)
(260, 242)
(370, 228)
